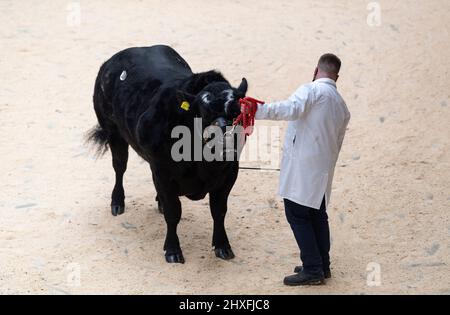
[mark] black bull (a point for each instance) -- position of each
(138, 100)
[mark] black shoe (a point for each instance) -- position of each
(327, 273)
(302, 278)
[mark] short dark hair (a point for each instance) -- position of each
(330, 63)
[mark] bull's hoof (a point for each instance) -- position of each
(175, 258)
(117, 210)
(224, 253)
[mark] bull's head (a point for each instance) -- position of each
(217, 104)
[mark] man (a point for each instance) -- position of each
(318, 118)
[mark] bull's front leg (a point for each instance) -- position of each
(218, 202)
(172, 215)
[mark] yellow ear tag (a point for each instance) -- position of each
(186, 106)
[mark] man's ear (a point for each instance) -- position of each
(184, 97)
(315, 73)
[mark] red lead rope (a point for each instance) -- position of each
(246, 119)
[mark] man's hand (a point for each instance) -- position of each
(249, 105)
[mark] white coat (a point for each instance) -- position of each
(318, 118)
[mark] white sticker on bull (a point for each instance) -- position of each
(123, 76)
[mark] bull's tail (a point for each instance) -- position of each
(100, 138)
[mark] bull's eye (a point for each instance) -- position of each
(206, 98)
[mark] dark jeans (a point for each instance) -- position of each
(312, 232)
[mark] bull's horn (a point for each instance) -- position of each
(243, 87)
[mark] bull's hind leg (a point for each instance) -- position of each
(172, 215)
(218, 203)
(119, 151)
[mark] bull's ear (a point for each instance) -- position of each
(183, 96)
(243, 87)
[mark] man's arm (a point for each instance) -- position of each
(291, 109)
(344, 129)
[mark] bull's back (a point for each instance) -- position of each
(139, 65)
(129, 79)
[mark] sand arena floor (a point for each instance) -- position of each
(391, 194)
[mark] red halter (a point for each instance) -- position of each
(246, 119)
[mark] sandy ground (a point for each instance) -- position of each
(392, 188)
